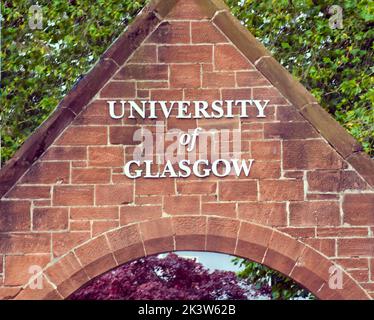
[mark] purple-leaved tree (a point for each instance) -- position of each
(168, 278)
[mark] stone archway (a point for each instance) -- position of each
(265, 245)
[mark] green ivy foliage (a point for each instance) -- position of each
(282, 287)
(40, 66)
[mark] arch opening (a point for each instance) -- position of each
(191, 275)
(257, 243)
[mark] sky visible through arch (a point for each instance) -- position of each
(211, 260)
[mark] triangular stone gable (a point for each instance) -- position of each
(300, 183)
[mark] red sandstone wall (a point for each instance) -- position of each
(299, 184)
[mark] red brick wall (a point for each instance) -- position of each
(302, 208)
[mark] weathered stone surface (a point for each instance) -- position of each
(344, 143)
(359, 209)
(334, 181)
(310, 154)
